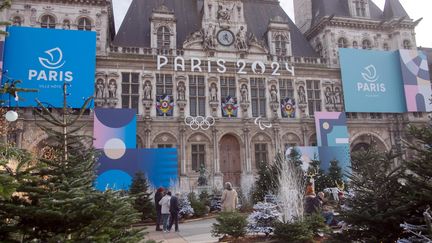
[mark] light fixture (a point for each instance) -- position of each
(11, 116)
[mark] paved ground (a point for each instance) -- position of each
(194, 231)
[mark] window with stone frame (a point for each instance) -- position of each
(17, 21)
(376, 116)
(66, 24)
(406, 44)
(84, 24)
(280, 45)
(386, 47)
(197, 96)
(198, 155)
(130, 90)
(351, 115)
(286, 88)
(261, 154)
(164, 85)
(355, 44)
(418, 114)
(366, 44)
(360, 7)
(258, 97)
(163, 38)
(228, 86)
(314, 96)
(164, 145)
(342, 43)
(48, 21)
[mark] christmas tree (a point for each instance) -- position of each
(56, 201)
(378, 205)
(263, 218)
(140, 189)
(265, 183)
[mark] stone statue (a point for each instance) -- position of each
(329, 96)
(241, 42)
(147, 90)
(209, 37)
(181, 90)
(100, 89)
(273, 94)
(302, 95)
(213, 92)
(337, 96)
(112, 89)
(244, 93)
(224, 13)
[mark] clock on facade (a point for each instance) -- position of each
(225, 37)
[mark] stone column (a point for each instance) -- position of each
(182, 150)
(247, 150)
(216, 164)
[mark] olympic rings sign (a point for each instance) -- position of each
(199, 122)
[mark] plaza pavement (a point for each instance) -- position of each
(195, 231)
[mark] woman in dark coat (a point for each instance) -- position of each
(158, 196)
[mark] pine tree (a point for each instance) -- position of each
(378, 205)
(140, 189)
(56, 200)
(335, 174)
(321, 179)
(265, 182)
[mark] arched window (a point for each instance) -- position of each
(342, 43)
(17, 21)
(48, 21)
(319, 49)
(84, 24)
(280, 45)
(66, 24)
(406, 44)
(366, 44)
(386, 47)
(360, 6)
(355, 44)
(163, 37)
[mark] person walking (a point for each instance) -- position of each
(174, 211)
(165, 210)
(157, 198)
(229, 198)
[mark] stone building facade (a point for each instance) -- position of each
(210, 76)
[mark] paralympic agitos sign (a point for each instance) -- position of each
(180, 64)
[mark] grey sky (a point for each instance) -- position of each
(415, 8)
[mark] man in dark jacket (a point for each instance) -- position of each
(158, 196)
(174, 211)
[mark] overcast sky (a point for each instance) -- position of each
(415, 9)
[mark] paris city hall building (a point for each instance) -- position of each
(229, 83)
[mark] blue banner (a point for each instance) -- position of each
(372, 81)
(45, 59)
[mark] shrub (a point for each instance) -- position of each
(298, 231)
(199, 208)
(204, 197)
(232, 224)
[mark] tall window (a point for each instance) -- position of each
(286, 88)
(198, 156)
(319, 50)
(164, 145)
(342, 43)
(260, 153)
(360, 6)
(17, 21)
(164, 84)
(84, 24)
(280, 45)
(48, 21)
(130, 90)
(258, 97)
(197, 96)
(314, 96)
(228, 87)
(366, 44)
(163, 37)
(406, 44)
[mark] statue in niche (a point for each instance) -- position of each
(147, 90)
(213, 92)
(224, 13)
(181, 90)
(100, 86)
(329, 96)
(302, 95)
(112, 89)
(209, 37)
(273, 94)
(244, 93)
(241, 42)
(338, 98)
